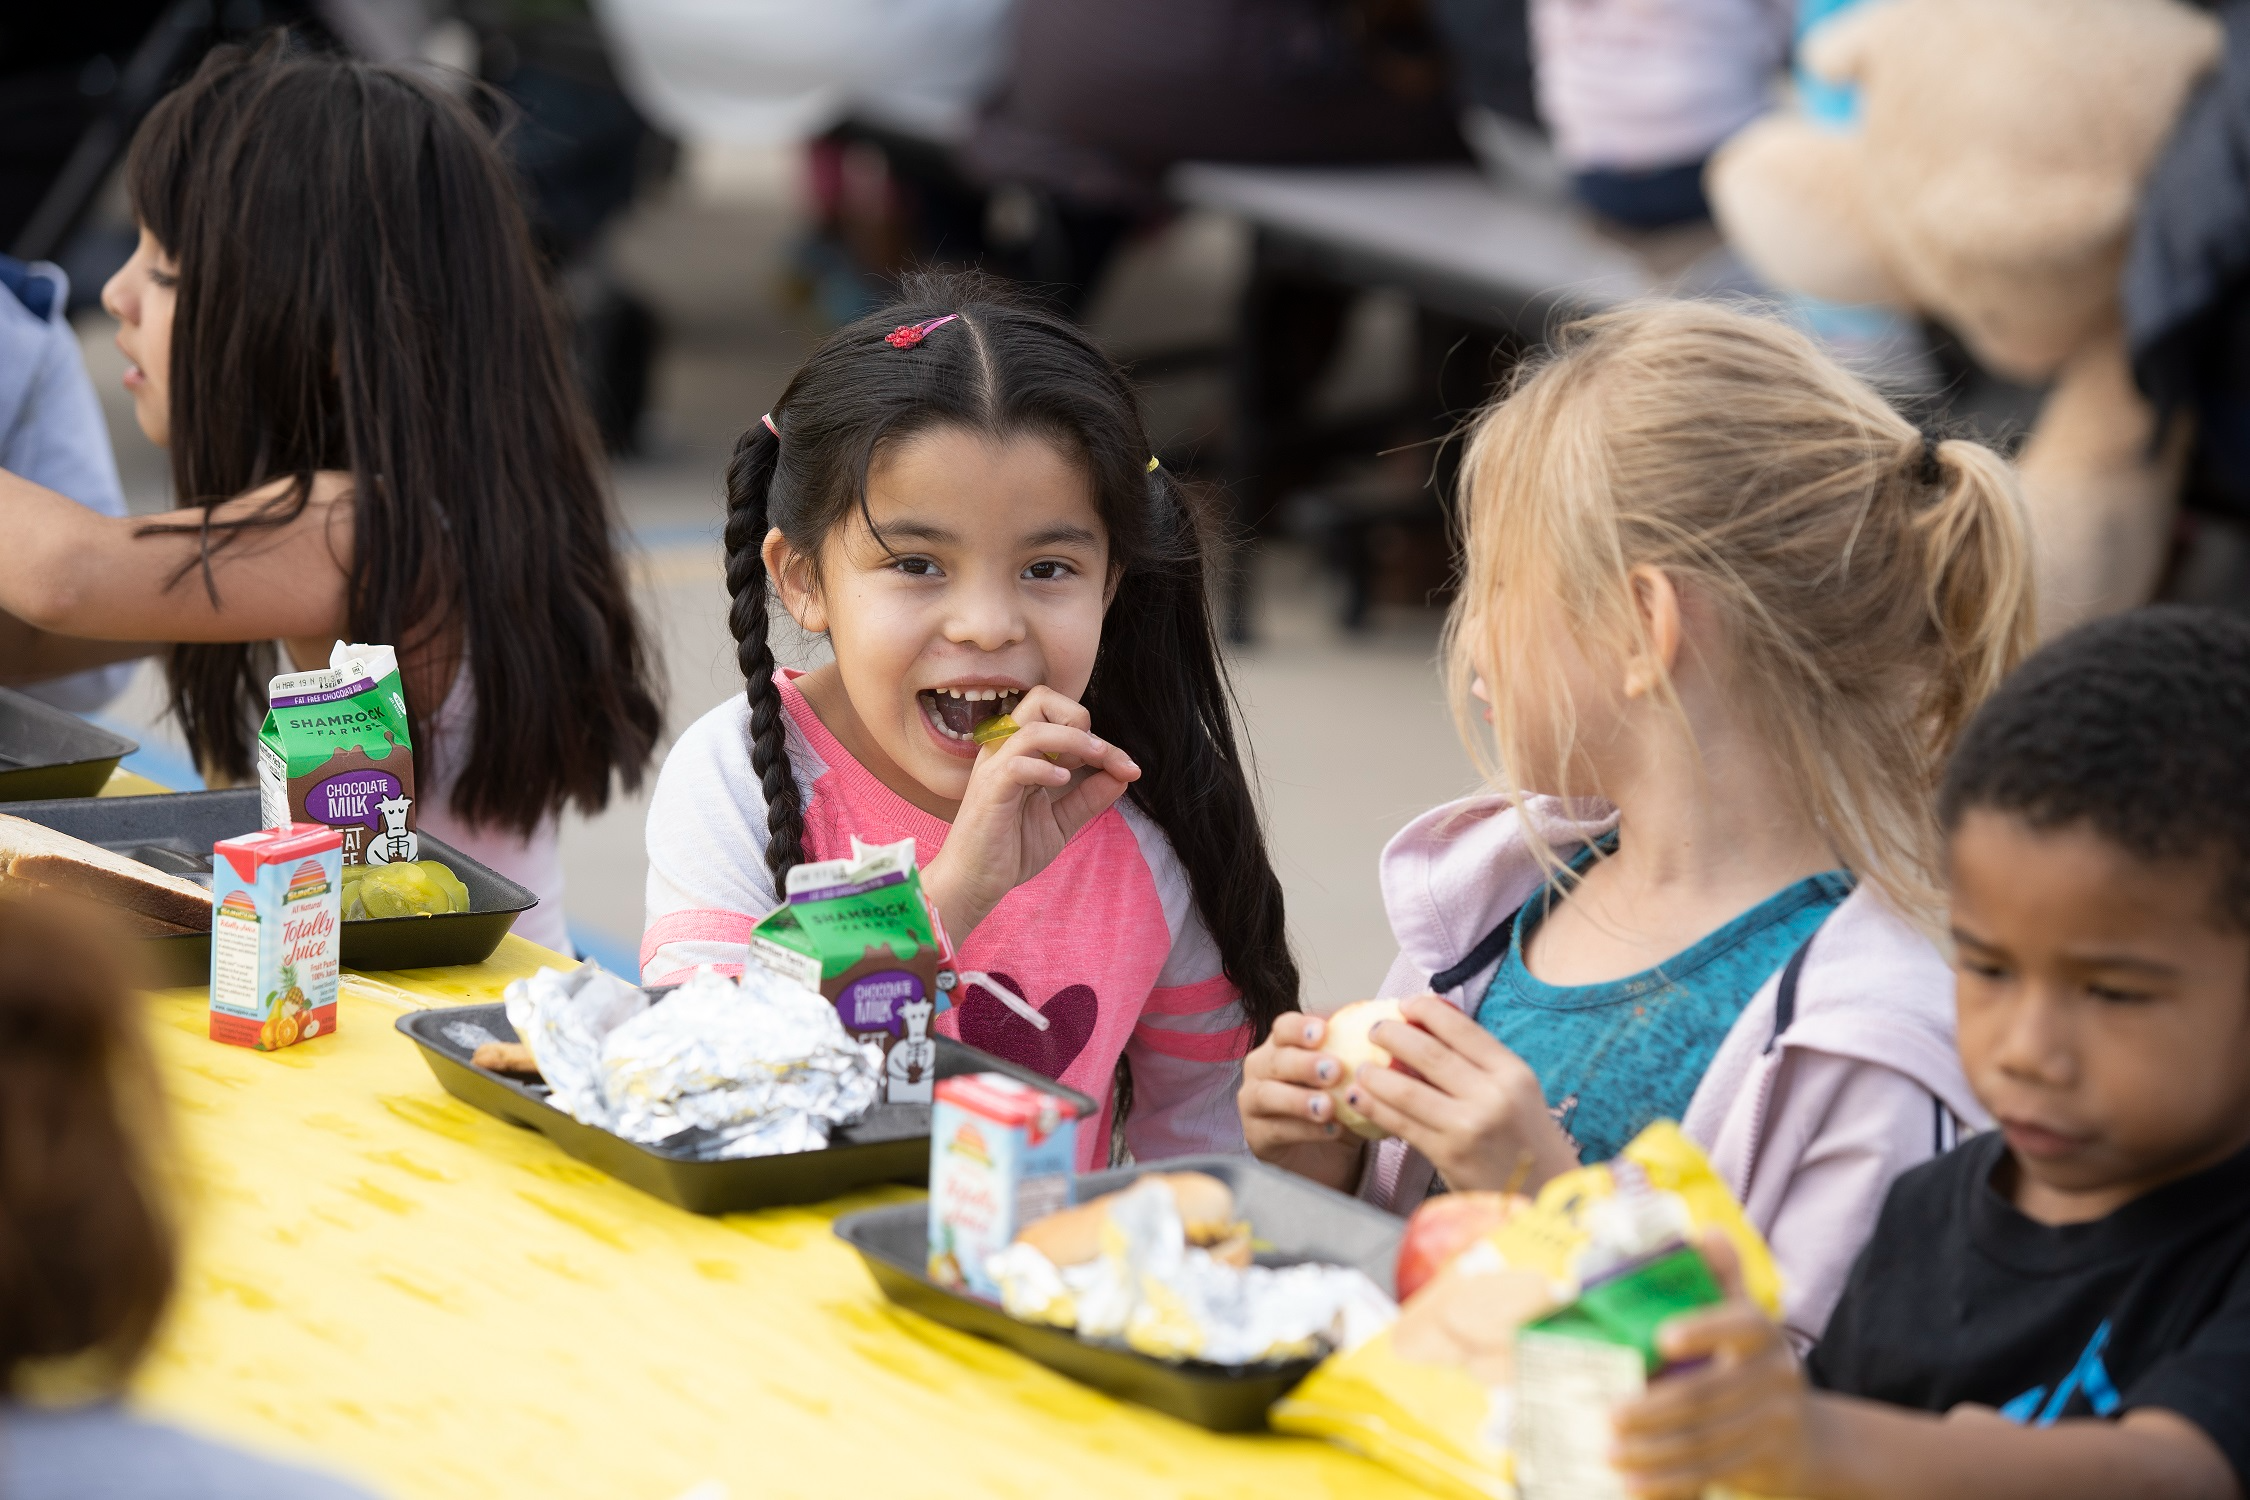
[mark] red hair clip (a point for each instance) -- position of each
(907, 335)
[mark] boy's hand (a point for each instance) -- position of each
(1028, 795)
(1287, 1117)
(1471, 1106)
(1746, 1418)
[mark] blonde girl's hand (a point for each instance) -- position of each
(1470, 1105)
(1287, 1117)
(1744, 1417)
(1028, 795)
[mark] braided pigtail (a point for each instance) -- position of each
(749, 486)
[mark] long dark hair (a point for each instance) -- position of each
(358, 291)
(1159, 689)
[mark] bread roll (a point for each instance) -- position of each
(1073, 1236)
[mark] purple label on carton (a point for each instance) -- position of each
(871, 1002)
(351, 798)
(351, 689)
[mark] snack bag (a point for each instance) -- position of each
(1538, 1327)
(859, 931)
(274, 936)
(335, 749)
(1000, 1157)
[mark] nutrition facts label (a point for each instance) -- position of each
(234, 964)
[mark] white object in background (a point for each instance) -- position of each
(1632, 85)
(767, 72)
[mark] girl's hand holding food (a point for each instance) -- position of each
(1028, 795)
(1287, 1117)
(1744, 1416)
(1463, 1100)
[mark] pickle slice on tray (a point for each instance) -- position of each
(409, 888)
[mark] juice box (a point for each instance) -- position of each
(1001, 1154)
(275, 900)
(335, 749)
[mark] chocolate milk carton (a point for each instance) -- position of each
(335, 749)
(859, 931)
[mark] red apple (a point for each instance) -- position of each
(1445, 1226)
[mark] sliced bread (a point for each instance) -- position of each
(37, 855)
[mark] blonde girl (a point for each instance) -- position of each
(1726, 612)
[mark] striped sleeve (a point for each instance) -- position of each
(707, 879)
(1186, 1050)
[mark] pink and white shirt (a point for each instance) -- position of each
(1105, 943)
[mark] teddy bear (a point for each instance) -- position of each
(1991, 184)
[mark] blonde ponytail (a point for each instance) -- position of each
(1873, 585)
(1977, 558)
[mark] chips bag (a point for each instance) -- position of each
(859, 931)
(1562, 1297)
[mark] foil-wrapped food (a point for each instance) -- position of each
(721, 1069)
(1152, 1289)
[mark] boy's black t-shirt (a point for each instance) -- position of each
(1958, 1297)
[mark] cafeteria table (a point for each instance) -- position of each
(386, 1281)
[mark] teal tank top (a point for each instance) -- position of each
(1614, 1057)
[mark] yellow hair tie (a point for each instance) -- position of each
(1152, 465)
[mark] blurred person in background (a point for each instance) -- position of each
(880, 92)
(1102, 100)
(52, 433)
(1637, 94)
(336, 325)
(583, 151)
(89, 1250)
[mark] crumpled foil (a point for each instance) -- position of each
(720, 1069)
(564, 1016)
(1156, 1293)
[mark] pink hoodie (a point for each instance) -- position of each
(1808, 1129)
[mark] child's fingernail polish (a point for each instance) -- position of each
(1326, 1070)
(1352, 1098)
(1317, 1106)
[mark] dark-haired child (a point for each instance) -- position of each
(337, 324)
(88, 1249)
(2060, 1307)
(958, 493)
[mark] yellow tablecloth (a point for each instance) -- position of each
(388, 1281)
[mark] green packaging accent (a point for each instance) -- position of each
(859, 931)
(334, 749)
(1627, 1309)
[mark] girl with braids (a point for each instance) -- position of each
(335, 321)
(1725, 611)
(957, 493)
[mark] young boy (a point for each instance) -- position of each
(2060, 1307)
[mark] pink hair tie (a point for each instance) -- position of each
(907, 335)
(768, 420)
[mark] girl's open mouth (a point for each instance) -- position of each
(956, 712)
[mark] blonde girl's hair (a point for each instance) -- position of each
(1872, 587)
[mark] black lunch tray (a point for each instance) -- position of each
(175, 833)
(891, 1145)
(45, 752)
(1293, 1220)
